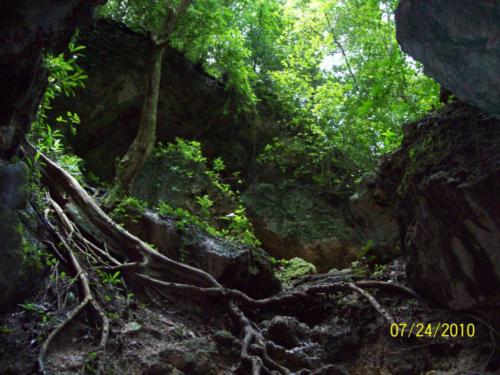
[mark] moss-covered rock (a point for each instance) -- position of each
(443, 183)
(18, 247)
(293, 268)
(296, 221)
(176, 173)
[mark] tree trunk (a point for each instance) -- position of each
(131, 164)
(140, 149)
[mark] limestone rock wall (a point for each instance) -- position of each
(298, 221)
(447, 172)
(27, 28)
(445, 180)
(450, 211)
(13, 197)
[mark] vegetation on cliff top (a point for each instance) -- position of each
(330, 74)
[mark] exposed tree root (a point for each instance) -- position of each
(88, 298)
(373, 302)
(55, 332)
(283, 299)
(95, 234)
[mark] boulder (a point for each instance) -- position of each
(295, 221)
(447, 177)
(173, 177)
(234, 266)
(458, 42)
(17, 245)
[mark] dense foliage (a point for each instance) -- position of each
(345, 88)
(330, 73)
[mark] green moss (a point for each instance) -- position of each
(293, 268)
(424, 154)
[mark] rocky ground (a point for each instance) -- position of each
(174, 335)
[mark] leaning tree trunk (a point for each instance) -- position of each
(140, 149)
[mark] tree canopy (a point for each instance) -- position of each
(331, 73)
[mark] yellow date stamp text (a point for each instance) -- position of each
(432, 330)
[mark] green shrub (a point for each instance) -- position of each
(128, 209)
(219, 211)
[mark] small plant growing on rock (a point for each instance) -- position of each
(379, 270)
(65, 76)
(6, 330)
(128, 209)
(34, 308)
(240, 227)
(205, 204)
(111, 278)
(218, 210)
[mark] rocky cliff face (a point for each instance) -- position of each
(13, 197)
(298, 221)
(195, 106)
(444, 182)
(458, 41)
(192, 104)
(447, 171)
(372, 207)
(27, 28)
(449, 211)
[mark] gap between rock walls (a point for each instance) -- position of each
(211, 187)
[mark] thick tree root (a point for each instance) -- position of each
(88, 297)
(94, 232)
